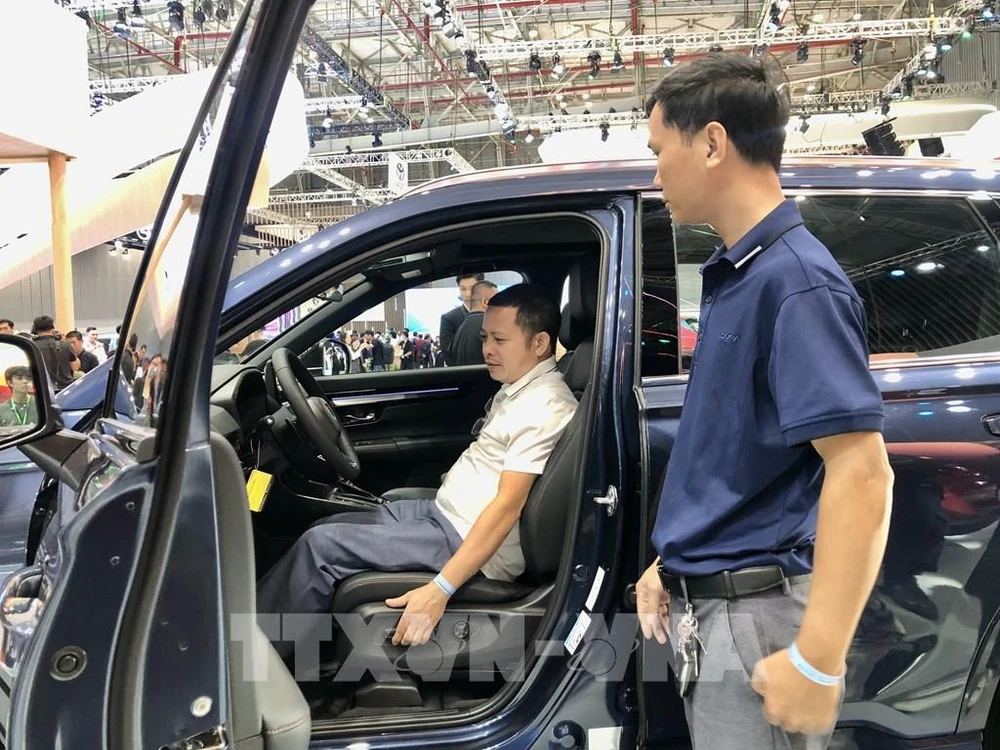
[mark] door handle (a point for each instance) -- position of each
(366, 419)
(992, 424)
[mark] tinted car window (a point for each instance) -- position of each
(659, 344)
(926, 268)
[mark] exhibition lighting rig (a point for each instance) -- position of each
(375, 158)
(728, 39)
(939, 37)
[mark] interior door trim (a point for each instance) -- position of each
(363, 399)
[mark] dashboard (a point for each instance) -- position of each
(238, 402)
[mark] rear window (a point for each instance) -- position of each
(926, 269)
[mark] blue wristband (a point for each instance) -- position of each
(810, 672)
(443, 584)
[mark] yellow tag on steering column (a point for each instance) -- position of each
(258, 485)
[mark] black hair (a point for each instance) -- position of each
(16, 371)
(74, 335)
(43, 324)
(537, 312)
(476, 276)
(736, 91)
(477, 292)
(7, 321)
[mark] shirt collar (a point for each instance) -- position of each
(511, 389)
(785, 216)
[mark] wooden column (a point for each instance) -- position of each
(62, 254)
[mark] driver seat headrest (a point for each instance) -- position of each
(579, 315)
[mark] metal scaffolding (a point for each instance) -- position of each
(416, 156)
(954, 16)
(728, 39)
(326, 196)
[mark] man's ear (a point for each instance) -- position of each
(543, 343)
(717, 143)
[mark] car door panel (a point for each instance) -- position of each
(409, 426)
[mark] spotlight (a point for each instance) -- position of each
(529, 138)
(200, 18)
(802, 53)
(988, 14)
(222, 11)
(594, 58)
(803, 124)
(945, 46)
(121, 27)
(618, 63)
(557, 67)
(137, 22)
(534, 62)
(348, 150)
(884, 105)
(858, 45)
(321, 72)
(483, 72)
(604, 132)
(715, 48)
(175, 16)
(470, 62)
(668, 57)
(327, 123)
(376, 140)
(509, 127)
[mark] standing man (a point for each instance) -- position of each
(772, 521)
(407, 351)
(94, 345)
(454, 318)
(58, 356)
(467, 347)
(7, 326)
(88, 361)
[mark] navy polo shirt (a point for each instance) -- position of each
(781, 360)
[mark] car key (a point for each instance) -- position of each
(688, 645)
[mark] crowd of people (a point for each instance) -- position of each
(69, 356)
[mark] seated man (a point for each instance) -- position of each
(472, 523)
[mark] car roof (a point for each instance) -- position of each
(610, 177)
(887, 173)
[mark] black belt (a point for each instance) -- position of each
(728, 584)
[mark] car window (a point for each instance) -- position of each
(664, 332)
(153, 317)
(376, 340)
(926, 269)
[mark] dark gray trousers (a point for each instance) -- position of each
(404, 535)
(723, 711)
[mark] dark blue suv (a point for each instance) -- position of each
(131, 621)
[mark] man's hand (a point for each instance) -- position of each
(424, 608)
(653, 605)
(791, 701)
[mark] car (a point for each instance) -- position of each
(132, 623)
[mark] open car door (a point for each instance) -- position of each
(121, 633)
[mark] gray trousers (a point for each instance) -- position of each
(723, 711)
(404, 535)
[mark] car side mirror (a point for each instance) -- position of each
(336, 358)
(26, 410)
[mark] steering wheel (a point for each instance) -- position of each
(314, 412)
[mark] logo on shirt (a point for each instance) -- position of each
(730, 338)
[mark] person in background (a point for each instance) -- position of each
(20, 410)
(407, 351)
(7, 326)
(467, 348)
(454, 318)
(129, 358)
(88, 361)
(94, 345)
(60, 361)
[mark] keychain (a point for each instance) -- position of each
(688, 645)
